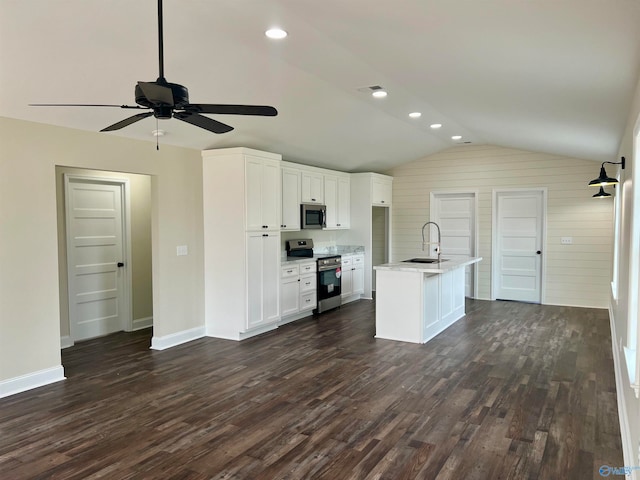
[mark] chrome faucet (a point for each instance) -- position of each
(429, 243)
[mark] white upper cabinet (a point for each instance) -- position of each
(312, 187)
(262, 186)
(291, 199)
(381, 191)
(337, 198)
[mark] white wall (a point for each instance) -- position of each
(577, 274)
(29, 293)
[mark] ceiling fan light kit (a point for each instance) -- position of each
(165, 100)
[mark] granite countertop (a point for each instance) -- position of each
(438, 267)
(324, 252)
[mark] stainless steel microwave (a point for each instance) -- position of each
(313, 216)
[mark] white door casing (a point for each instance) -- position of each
(519, 217)
(456, 213)
(97, 213)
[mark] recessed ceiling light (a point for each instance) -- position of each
(415, 114)
(435, 125)
(379, 93)
(456, 137)
(275, 33)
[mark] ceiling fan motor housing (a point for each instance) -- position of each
(180, 99)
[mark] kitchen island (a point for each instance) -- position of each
(417, 301)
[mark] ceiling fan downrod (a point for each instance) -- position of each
(161, 78)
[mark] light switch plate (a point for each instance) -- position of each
(566, 240)
(182, 250)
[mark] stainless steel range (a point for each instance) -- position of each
(329, 283)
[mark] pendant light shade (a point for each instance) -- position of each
(601, 194)
(605, 179)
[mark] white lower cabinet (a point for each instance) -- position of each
(352, 283)
(298, 285)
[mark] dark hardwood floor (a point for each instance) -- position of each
(513, 390)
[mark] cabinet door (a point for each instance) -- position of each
(253, 194)
(381, 191)
(347, 282)
(254, 279)
(262, 193)
(344, 202)
(331, 200)
(263, 278)
(312, 187)
(290, 199)
(290, 296)
(358, 278)
(271, 277)
(270, 194)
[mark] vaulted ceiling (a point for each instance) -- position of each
(553, 76)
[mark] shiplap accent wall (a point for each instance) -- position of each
(577, 274)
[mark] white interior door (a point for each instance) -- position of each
(517, 268)
(95, 248)
(455, 213)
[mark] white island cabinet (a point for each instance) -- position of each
(416, 301)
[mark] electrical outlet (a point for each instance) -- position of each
(566, 240)
(182, 250)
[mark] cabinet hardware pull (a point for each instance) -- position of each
(381, 201)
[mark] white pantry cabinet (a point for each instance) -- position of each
(242, 218)
(337, 198)
(291, 199)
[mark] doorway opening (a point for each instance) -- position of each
(379, 240)
(104, 251)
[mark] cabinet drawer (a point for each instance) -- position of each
(308, 283)
(307, 268)
(308, 301)
(358, 260)
(289, 271)
(346, 260)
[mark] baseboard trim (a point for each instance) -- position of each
(66, 342)
(140, 323)
(175, 339)
(621, 384)
(31, 380)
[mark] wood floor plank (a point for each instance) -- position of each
(512, 391)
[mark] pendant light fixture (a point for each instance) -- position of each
(601, 194)
(605, 179)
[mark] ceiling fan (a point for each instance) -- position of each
(165, 100)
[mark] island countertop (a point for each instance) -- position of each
(439, 267)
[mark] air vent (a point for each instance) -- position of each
(370, 88)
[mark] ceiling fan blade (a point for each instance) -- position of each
(127, 121)
(157, 93)
(262, 110)
(203, 122)
(83, 105)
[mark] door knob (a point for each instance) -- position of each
(538, 252)
(120, 264)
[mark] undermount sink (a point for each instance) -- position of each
(425, 260)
